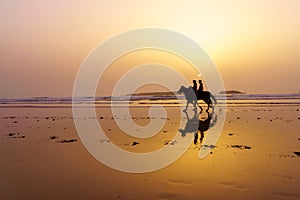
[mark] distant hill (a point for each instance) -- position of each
(174, 93)
(231, 92)
(154, 94)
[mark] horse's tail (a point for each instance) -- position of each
(213, 97)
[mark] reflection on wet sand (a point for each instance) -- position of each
(198, 125)
(204, 125)
(253, 159)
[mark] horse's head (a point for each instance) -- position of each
(181, 89)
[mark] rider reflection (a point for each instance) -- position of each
(204, 125)
(196, 125)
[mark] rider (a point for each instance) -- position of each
(200, 90)
(195, 86)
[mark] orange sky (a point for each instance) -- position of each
(255, 44)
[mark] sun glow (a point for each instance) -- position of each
(243, 38)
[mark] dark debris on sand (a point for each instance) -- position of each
(135, 143)
(104, 140)
(15, 135)
(297, 153)
(53, 137)
(239, 146)
(67, 141)
(169, 142)
(132, 143)
(284, 155)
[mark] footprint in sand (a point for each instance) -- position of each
(282, 177)
(286, 195)
(169, 195)
(235, 186)
(180, 182)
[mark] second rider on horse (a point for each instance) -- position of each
(199, 91)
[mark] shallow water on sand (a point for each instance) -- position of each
(254, 158)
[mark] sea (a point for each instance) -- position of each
(150, 100)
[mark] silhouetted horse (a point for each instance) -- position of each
(191, 97)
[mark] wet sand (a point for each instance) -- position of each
(256, 157)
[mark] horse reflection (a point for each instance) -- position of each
(198, 126)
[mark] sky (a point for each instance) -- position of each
(255, 44)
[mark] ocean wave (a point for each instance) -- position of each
(154, 99)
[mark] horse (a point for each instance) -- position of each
(192, 98)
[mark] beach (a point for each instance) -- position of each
(100, 100)
(256, 156)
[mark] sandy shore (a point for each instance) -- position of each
(42, 157)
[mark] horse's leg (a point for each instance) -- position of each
(195, 107)
(196, 137)
(200, 108)
(208, 105)
(187, 104)
(195, 111)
